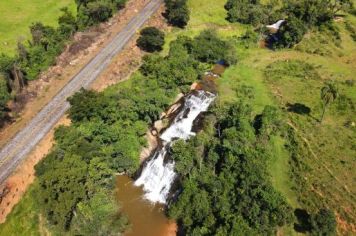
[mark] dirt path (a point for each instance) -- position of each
(120, 69)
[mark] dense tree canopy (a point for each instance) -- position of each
(225, 185)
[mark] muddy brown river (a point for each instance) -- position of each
(145, 218)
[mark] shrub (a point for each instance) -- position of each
(244, 11)
(207, 47)
(98, 12)
(151, 39)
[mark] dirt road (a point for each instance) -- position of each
(24, 141)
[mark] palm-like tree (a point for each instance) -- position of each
(328, 94)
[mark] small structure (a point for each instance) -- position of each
(275, 27)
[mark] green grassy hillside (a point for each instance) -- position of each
(17, 15)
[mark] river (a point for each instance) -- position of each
(146, 219)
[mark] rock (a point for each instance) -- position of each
(154, 132)
(158, 125)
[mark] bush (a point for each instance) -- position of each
(207, 47)
(98, 12)
(177, 12)
(151, 39)
(244, 11)
(67, 23)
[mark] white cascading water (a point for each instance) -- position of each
(157, 176)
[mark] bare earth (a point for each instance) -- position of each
(55, 78)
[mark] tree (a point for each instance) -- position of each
(245, 11)
(290, 33)
(177, 12)
(4, 96)
(151, 39)
(323, 223)
(208, 47)
(98, 11)
(98, 216)
(67, 23)
(62, 179)
(328, 94)
(310, 12)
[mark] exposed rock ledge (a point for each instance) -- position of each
(158, 126)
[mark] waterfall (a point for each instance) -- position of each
(158, 175)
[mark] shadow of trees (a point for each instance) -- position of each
(301, 109)
(298, 108)
(303, 221)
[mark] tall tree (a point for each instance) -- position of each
(328, 94)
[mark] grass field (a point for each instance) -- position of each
(17, 15)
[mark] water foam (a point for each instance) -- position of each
(158, 175)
